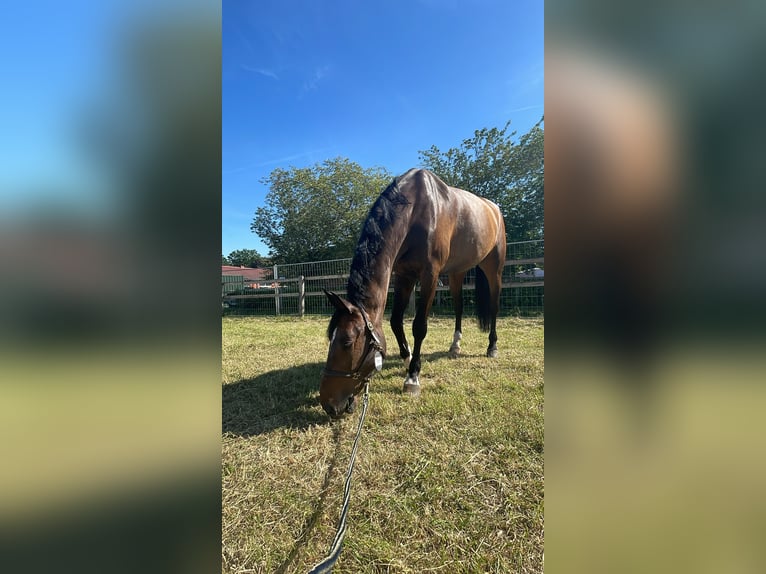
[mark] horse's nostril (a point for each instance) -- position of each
(330, 409)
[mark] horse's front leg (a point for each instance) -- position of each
(419, 331)
(402, 290)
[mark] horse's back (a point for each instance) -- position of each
(455, 227)
(478, 230)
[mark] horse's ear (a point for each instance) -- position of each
(338, 302)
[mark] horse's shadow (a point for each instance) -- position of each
(440, 355)
(286, 398)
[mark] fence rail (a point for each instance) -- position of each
(296, 289)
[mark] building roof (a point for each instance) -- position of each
(253, 274)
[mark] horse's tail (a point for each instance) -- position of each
(483, 301)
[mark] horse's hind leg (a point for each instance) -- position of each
(402, 290)
(456, 290)
(492, 267)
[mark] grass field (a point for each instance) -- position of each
(451, 481)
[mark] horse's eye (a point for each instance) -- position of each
(346, 342)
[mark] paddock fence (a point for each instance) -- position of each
(296, 288)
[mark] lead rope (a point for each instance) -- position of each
(327, 564)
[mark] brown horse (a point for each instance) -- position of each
(419, 227)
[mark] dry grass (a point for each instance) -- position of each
(451, 481)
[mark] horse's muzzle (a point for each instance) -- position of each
(338, 412)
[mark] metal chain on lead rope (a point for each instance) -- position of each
(327, 564)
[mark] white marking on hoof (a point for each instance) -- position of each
(492, 353)
(411, 386)
(454, 350)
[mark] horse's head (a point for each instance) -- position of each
(356, 351)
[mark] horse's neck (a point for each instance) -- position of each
(380, 272)
(377, 288)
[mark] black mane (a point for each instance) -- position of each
(381, 216)
(371, 240)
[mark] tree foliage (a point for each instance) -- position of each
(245, 258)
(315, 213)
(511, 174)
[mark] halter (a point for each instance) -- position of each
(372, 345)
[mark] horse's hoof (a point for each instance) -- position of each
(411, 386)
(492, 353)
(453, 353)
(411, 389)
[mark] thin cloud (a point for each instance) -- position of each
(262, 71)
(524, 108)
(275, 161)
(320, 72)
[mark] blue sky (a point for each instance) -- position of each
(304, 81)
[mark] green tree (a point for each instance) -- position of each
(316, 212)
(511, 174)
(246, 258)
(224, 260)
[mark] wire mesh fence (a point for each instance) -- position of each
(296, 289)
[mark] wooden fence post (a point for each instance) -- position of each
(301, 296)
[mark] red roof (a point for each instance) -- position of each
(253, 274)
